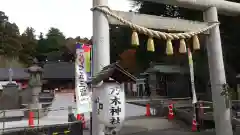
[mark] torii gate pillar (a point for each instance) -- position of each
(101, 55)
(222, 114)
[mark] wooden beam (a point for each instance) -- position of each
(158, 22)
(224, 7)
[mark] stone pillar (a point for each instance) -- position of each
(152, 84)
(35, 84)
(10, 97)
(221, 107)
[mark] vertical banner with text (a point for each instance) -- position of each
(83, 95)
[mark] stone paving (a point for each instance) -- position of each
(156, 126)
(61, 116)
(136, 122)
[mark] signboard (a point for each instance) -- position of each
(83, 95)
(111, 105)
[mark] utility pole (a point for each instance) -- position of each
(222, 114)
(101, 55)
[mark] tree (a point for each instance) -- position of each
(10, 37)
(10, 41)
(56, 43)
(120, 38)
(55, 39)
(29, 33)
(71, 43)
(3, 17)
(23, 47)
(128, 60)
(51, 47)
(70, 51)
(41, 48)
(29, 43)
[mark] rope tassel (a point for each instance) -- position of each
(135, 39)
(169, 49)
(196, 44)
(150, 45)
(182, 48)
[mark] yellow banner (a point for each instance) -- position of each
(87, 61)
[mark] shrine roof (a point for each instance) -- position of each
(113, 71)
(168, 69)
(18, 73)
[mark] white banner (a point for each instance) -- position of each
(83, 96)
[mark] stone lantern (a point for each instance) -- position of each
(35, 84)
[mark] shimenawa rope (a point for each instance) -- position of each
(152, 33)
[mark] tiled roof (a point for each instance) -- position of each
(59, 70)
(56, 70)
(18, 73)
(167, 69)
(66, 70)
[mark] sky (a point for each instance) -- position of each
(72, 17)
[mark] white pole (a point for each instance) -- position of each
(222, 115)
(101, 55)
(191, 68)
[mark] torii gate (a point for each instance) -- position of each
(210, 8)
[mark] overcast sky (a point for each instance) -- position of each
(72, 17)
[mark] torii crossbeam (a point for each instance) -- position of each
(224, 7)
